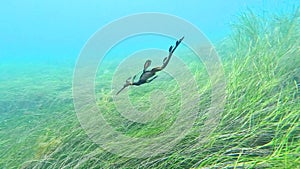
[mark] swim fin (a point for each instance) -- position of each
(170, 49)
(147, 64)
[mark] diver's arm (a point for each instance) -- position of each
(150, 80)
(127, 83)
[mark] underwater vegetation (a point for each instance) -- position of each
(259, 128)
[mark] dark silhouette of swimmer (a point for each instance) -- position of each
(148, 75)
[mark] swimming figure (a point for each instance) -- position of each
(148, 75)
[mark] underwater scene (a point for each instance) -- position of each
(148, 84)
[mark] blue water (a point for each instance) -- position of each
(61, 28)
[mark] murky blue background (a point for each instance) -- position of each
(40, 41)
(60, 28)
